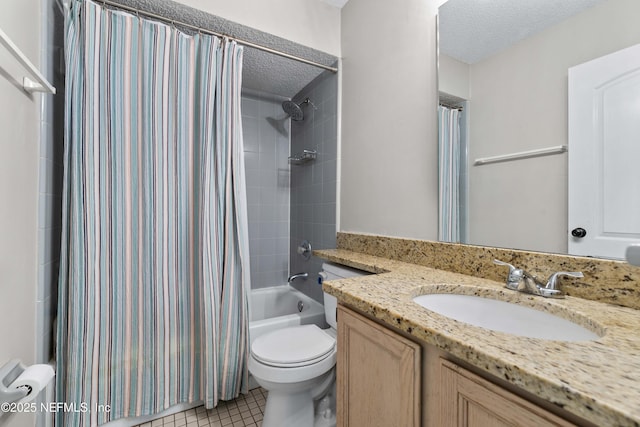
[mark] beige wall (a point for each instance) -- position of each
(519, 102)
(19, 122)
(311, 23)
(453, 77)
(389, 99)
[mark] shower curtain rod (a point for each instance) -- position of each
(206, 31)
(450, 106)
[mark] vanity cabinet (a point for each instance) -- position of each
(468, 400)
(385, 379)
(378, 375)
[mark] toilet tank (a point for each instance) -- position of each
(336, 272)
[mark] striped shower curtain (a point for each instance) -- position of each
(449, 172)
(154, 268)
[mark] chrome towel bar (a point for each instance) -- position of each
(41, 84)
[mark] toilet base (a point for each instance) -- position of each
(288, 410)
(308, 404)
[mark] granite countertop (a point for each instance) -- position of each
(595, 380)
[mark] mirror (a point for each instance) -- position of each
(505, 64)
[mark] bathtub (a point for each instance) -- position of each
(277, 307)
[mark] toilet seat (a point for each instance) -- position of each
(293, 347)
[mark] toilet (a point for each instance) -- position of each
(296, 365)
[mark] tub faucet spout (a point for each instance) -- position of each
(296, 276)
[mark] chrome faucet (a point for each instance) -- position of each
(521, 281)
(297, 276)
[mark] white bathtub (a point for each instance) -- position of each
(277, 307)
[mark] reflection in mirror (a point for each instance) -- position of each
(505, 64)
(452, 169)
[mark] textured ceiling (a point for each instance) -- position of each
(472, 30)
(262, 72)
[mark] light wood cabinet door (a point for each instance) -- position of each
(378, 375)
(467, 400)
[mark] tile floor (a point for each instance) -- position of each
(245, 411)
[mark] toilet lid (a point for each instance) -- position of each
(294, 346)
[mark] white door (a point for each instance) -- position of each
(604, 154)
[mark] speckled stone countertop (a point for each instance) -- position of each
(596, 380)
(610, 281)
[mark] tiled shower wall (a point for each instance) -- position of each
(266, 150)
(314, 184)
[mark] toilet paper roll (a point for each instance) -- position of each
(36, 378)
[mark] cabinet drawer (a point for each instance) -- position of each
(469, 400)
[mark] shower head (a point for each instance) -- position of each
(295, 110)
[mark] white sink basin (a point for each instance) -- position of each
(505, 317)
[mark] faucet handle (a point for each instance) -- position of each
(552, 282)
(511, 267)
(515, 275)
